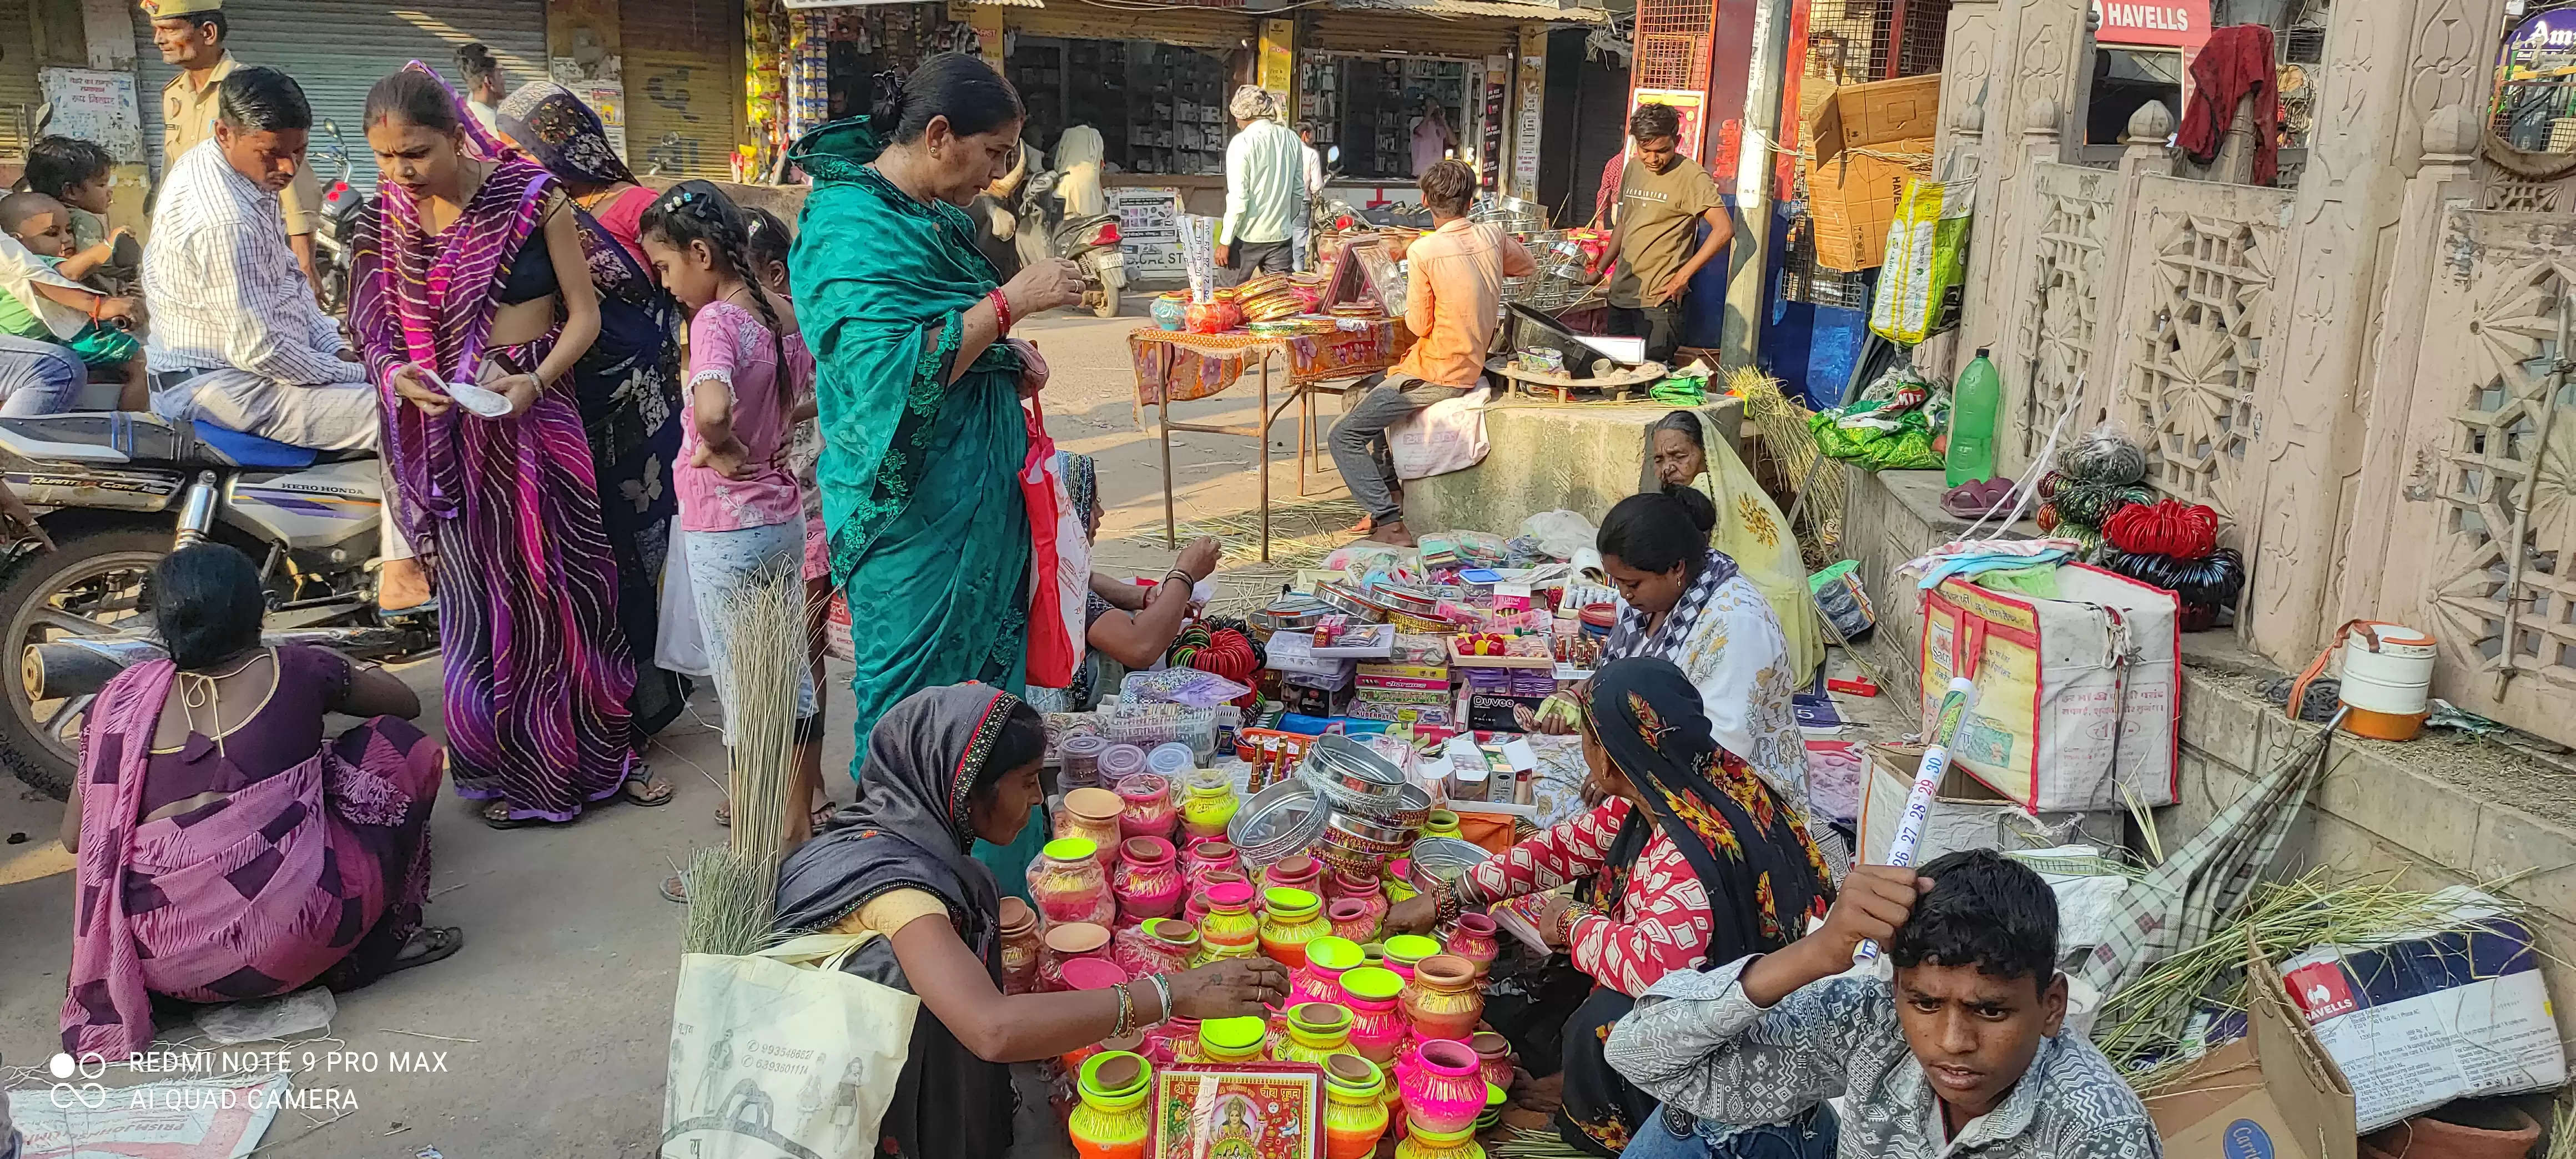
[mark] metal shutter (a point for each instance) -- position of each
(1381, 31)
(1191, 28)
(338, 49)
(19, 93)
(684, 93)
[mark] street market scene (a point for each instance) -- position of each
(1248, 579)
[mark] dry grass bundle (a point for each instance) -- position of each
(1789, 454)
(732, 890)
(2141, 1023)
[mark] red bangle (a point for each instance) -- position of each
(1001, 310)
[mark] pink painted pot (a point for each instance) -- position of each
(1474, 938)
(1352, 919)
(1442, 1087)
(1147, 881)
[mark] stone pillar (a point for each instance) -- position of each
(2390, 64)
(2025, 63)
(2144, 154)
(2444, 181)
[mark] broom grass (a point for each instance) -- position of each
(732, 890)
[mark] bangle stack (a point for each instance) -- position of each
(1001, 312)
(1126, 1012)
(1445, 903)
(1162, 991)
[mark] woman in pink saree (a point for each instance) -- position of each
(227, 851)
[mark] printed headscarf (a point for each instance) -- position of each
(1764, 877)
(563, 134)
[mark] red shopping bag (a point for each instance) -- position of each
(1059, 561)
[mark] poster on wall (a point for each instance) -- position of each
(602, 87)
(1533, 110)
(96, 106)
(1497, 99)
(1685, 102)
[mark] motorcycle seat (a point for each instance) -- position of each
(139, 437)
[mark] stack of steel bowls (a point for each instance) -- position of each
(1290, 613)
(1350, 600)
(1279, 822)
(1444, 858)
(1376, 812)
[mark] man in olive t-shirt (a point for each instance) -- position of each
(1663, 196)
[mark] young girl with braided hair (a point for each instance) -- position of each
(750, 380)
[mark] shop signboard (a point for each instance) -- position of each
(2166, 23)
(95, 106)
(1149, 231)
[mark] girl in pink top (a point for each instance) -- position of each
(750, 381)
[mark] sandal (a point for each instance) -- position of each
(822, 815)
(676, 888)
(646, 790)
(497, 815)
(437, 944)
(724, 814)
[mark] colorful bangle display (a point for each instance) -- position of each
(1001, 311)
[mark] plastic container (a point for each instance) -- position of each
(1233, 1040)
(1170, 760)
(1290, 919)
(1066, 883)
(1120, 761)
(1975, 399)
(1078, 760)
(1377, 1022)
(1113, 1121)
(2387, 676)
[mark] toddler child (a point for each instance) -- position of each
(43, 225)
(78, 173)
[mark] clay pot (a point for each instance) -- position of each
(1474, 938)
(1493, 1057)
(2467, 1129)
(1442, 1090)
(1020, 946)
(1065, 943)
(1147, 882)
(1092, 814)
(1352, 919)
(1295, 872)
(1442, 1003)
(1355, 1113)
(1112, 1122)
(1377, 1023)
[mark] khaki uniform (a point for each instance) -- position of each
(188, 117)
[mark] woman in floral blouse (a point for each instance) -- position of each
(1690, 858)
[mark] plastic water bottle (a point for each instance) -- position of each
(1974, 399)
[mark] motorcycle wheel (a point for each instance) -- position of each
(1107, 307)
(91, 584)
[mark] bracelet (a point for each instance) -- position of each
(1126, 1013)
(1445, 904)
(1001, 311)
(1162, 990)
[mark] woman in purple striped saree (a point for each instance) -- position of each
(227, 851)
(471, 271)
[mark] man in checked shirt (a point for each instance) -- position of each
(237, 338)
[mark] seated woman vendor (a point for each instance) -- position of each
(1690, 858)
(227, 849)
(944, 767)
(1131, 626)
(1685, 449)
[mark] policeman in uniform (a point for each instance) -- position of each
(190, 35)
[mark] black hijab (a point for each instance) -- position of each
(1752, 854)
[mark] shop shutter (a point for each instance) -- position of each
(338, 49)
(684, 94)
(1407, 32)
(1187, 27)
(19, 93)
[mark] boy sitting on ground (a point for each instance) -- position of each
(1962, 1053)
(43, 225)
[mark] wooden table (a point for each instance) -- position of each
(1174, 366)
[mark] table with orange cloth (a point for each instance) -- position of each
(1176, 366)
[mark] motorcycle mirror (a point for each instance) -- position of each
(1333, 154)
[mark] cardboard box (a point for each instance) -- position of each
(1965, 813)
(2273, 1093)
(1852, 181)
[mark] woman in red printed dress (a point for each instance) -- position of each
(1688, 859)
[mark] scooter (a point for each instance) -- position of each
(1091, 242)
(116, 491)
(335, 238)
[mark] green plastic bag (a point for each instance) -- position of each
(1919, 290)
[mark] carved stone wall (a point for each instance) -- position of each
(2198, 309)
(2067, 283)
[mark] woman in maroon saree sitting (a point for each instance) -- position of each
(227, 850)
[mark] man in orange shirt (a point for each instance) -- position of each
(1453, 302)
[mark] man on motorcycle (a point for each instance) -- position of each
(237, 339)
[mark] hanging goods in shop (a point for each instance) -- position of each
(1920, 290)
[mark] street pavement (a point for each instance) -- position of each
(554, 1019)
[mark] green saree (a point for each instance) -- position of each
(928, 537)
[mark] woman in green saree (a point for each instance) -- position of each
(919, 388)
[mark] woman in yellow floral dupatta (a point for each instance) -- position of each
(1685, 447)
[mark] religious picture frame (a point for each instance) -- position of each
(1247, 1110)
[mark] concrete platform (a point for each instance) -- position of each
(1581, 456)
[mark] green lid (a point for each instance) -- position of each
(1495, 1095)
(1374, 983)
(1071, 848)
(1233, 1034)
(1833, 573)
(1284, 898)
(1334, 953)
(1410, 947)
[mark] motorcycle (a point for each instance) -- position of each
(1091, 241)
(117, 491)
(335, 238)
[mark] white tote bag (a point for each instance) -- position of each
(780, 1054)
(680, 644)
(1440, 438)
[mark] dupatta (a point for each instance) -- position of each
(883, 316)
(429, 300)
